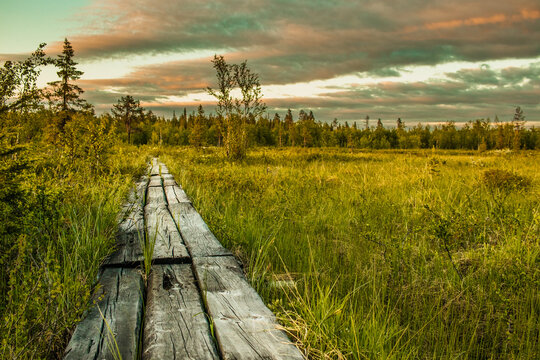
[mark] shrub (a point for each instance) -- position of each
(505, 181)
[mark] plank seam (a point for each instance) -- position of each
(197, 282)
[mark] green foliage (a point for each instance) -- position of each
(129, 112)
(504, 180)
(374, 254)
(87, 140)
(304, 130)
(361, 254)
(237, 112)
(60, 224)
(18, 89)
(61, 190)
(64, 94)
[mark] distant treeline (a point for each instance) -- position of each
(60, 114)
(200, 129)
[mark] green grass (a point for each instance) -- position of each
(50, 262)
(383, 255)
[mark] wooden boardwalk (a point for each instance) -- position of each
(197, 303)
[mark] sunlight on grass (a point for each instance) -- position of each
(381, 254)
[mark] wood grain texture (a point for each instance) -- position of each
(169, 182)
(120, 300)
(161, 228)
(141, 186)
(129, 238)
(185, 289)
(175, 195)
(155, 181)
(155, 197)
(135, 199)
(130, 232)
(196, 234)
(245, 328)
(164, 169)
(155, 167)
(176, 326)
(158, 167)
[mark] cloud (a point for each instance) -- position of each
(300, 41)
(466, 94)
(306, 36)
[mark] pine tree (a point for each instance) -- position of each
(288, 119)
(183, 120)
(276, 123)
(196, 135)
(64, 94)
(399, 124)
(129, 111)
(518, 122)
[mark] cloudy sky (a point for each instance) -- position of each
(423, 61)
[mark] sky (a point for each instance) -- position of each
(423, 61)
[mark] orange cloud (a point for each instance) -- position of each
(530, 14)
(525, 14)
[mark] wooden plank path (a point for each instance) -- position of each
(196, 303)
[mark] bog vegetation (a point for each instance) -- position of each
(415, 252)
(383, 255)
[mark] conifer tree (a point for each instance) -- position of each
(196, 135)
(64, 94)
(399, 124)
(129, 112)
(276, 122)
(518, 122)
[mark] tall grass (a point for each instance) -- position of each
(382, 254)
(68, 229)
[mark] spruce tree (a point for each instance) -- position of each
(197, 131)
(128, 111)
(64, 95)
(518, 122)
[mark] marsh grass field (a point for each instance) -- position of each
(382, 254)
(416, 254)
(368, 240)
(59, 220)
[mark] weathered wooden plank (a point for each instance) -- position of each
(169, 183)
(245, 328)
(196, 234)
(161, 229)
(155, 167)
(141, 189)
(175, 325)
(116, 329)
(167, 176)
(135, 199)
(175, 194)
(158, 168)
(155, 181)
(130, 232)
(129, 238)
(164, 168)
(155, 197)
